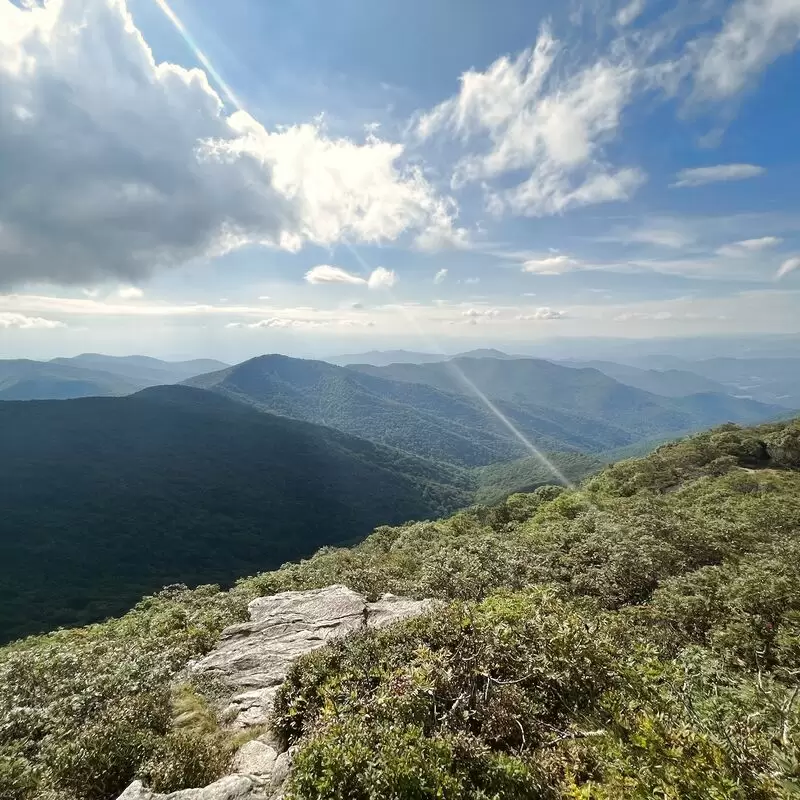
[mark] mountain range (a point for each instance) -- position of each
(590, 395)
(92, 375)
(244, 467)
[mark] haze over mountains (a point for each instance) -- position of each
(92, 375)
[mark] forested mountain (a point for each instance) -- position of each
(635, 638)
(92, 375)
(382, 358)
(588, 393)
(23, 379)
(771, 380)
(144, 369)
(669, 383)
(104, 499)
(414, 417)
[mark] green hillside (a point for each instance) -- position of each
(106, 499)
(92, 375)
(498, 481)
(669, 382)
(418, 418)
(535, 384)
(23, 379)
(636, 638)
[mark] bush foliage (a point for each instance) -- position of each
(638, 637)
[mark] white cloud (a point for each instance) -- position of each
(753, 35)
(379, 278)
(326, 273)
(537, 120)
(276, 322)
(356, 323)
(132, 166)
(721, 172)
(634, 316)
(130, 292)
(550, 265)
(12, 320)
(543, 313)
(440, 276)
(474, 313)
(790, 265)
(663, 237)
(301, 323)
(472, 281)
(264, 297)
(382, 278)
(749, 246)
(629, 13)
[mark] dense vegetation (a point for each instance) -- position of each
(107, 499)
(668, 382)
(534, 384)
(498, 481)
(430, 411)
(638, 638)
(411, 416)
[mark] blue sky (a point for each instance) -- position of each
(191, 178)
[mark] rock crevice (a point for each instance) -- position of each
(253, 658)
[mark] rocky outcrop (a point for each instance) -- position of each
(252, 660)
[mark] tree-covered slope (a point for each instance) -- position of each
(636, 638)
(144, 370)
(535, 384)
(105, 499)
(669, 382)
(418, 418)
(497, 481)
(24, 379)
(92, 375)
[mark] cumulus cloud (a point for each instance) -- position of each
(550, 265)
(326, 273)
(382, 278)
(536, 120)
(543, 313)
(12, 320)
(749, 246)
(440, 276)
(721, 172)
(790, 265)
(130, 292)
(130, 165)
(754, 34)
(276, 322)
(379, 278)
(474, 313)
(300, 323)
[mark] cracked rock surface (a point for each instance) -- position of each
(252, 659)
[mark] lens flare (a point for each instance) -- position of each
(199, 54)
(462, 377)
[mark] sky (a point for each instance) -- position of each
(193, 178)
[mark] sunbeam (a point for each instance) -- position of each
(432, 343)
(199, 54)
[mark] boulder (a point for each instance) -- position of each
(252, 660)
(231, 787)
